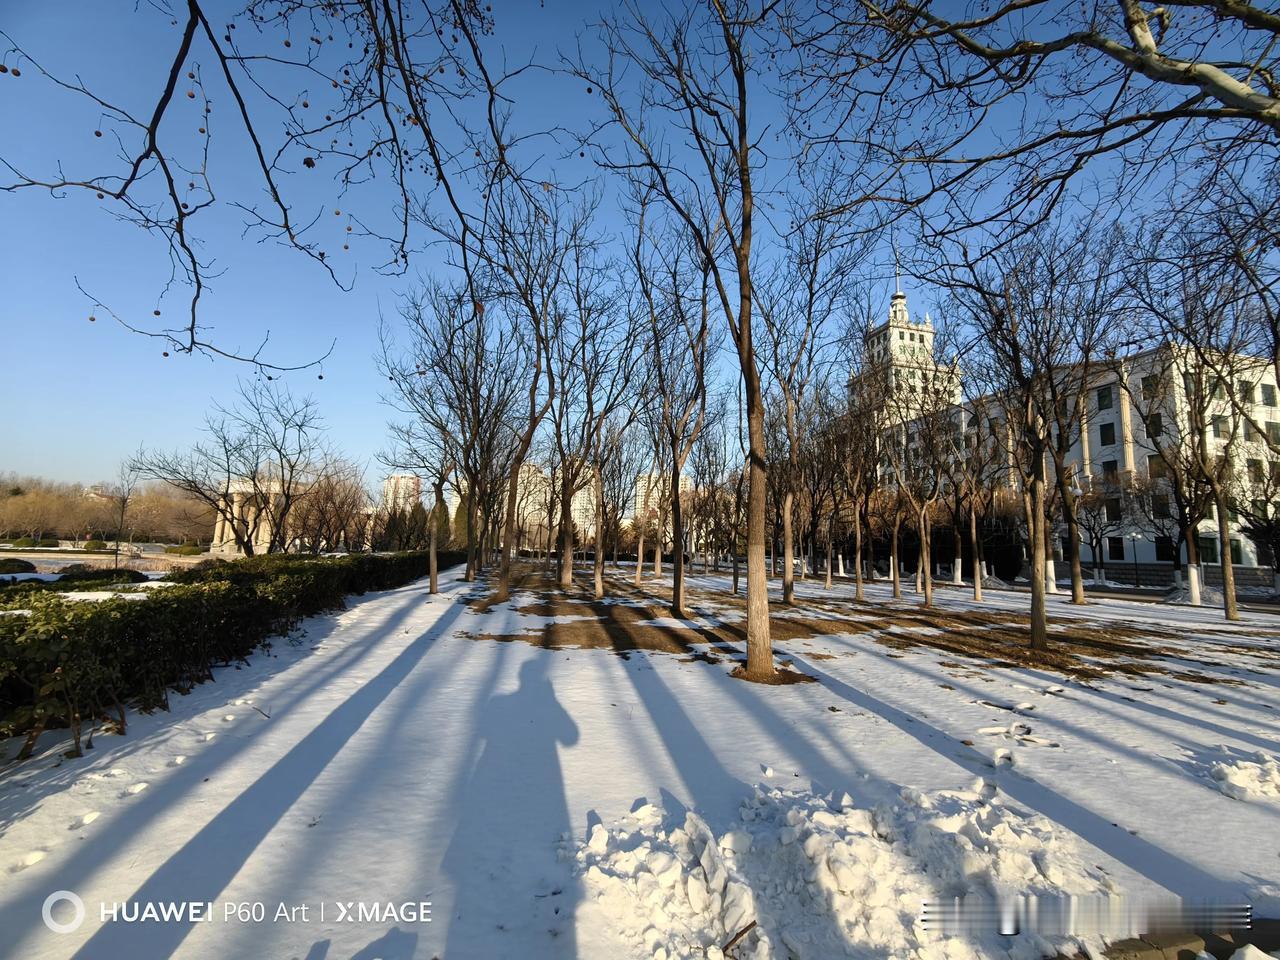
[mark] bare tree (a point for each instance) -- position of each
(990, 113)
(687, 90)
(121, 498)
(810, 284)
(454, 376)
(366, 92)
(679, 343)
(258, 461)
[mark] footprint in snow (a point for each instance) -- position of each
(228, 718)
(30, 860)
(1002, 758)
(178, 761)
(84, 821)
(136, 788)
(206, 737)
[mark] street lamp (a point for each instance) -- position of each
(1134, 536)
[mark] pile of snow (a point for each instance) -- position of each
(822, 878)
(1209, 596)
(1248, 779)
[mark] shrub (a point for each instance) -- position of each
(50, 542)
(24, 542)
(15, 565)
(94, 545)
(82, 573)
(66, 663)
(186, 550)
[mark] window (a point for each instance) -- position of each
(1220, 428)
(1217, 391)
(1249, 432)
(1150, 386)
(1157, 469)
(1254, 468)
(1164, 549)
(1237, 554)
(1209, 512)
(1155, 426)
(1273, 431)
(1245, 391)
(1110, 468)
(1107, 434)
(1112, 509)
(1268, 395)
(1115, 548)
(1208, 547)
(901, 335)
(1104, 397)
(1160, 508)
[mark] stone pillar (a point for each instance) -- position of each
(219, 530)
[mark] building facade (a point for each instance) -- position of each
(1139, 414)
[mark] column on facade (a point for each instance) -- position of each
(219, 529)
(1126, 424)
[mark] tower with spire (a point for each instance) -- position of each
(899, 341)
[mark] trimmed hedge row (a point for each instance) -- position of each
(16, 565)
(70, 664)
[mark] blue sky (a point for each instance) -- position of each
(81, 396)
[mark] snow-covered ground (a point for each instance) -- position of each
(576, 803)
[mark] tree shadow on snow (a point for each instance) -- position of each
(503, 873)
(207, 863)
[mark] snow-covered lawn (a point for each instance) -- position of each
(570, 802)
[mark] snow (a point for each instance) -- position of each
(826, 877)
(1258, 778)
(386, 754)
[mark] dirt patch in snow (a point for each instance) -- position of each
(631, 619)
(714, 630)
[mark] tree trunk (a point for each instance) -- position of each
(957, 542)
(1036, 525)
(677, 537)
(894, 561)
(598, 560)
(788, 551)
(1073, 549)
(857, 556)
(926, 555)
(564, 554)
(759, 643)
(640, 555)
(1230, 605)
(973, 547)
(830, 537)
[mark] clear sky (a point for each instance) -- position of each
(79, 397)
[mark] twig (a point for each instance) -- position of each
(738, 936)
(268, 716)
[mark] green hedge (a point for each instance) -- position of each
(70, 664)
(186, 550)
(16, 565)
(94, 545)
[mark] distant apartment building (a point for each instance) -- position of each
(401, 491)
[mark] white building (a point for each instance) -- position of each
(401, 491)
(1135, 408)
